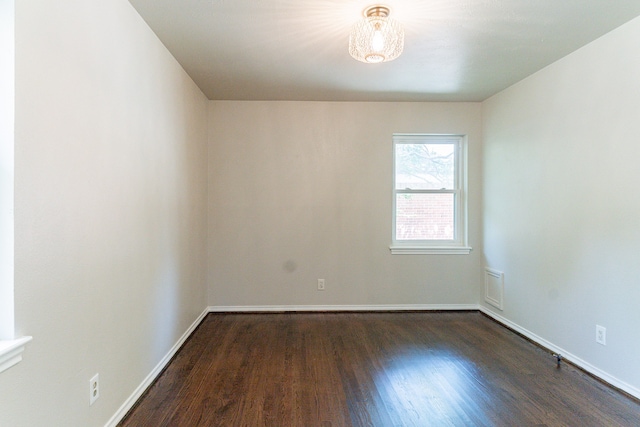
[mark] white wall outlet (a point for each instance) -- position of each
(94, 389)
(601, 335)
(321, 284)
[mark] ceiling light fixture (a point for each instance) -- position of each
(376, 37)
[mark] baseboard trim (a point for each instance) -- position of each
(575, 360)
(312, 308)
(139, 391)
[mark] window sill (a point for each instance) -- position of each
(430, 250)
(11, 352)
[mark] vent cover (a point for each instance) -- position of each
(494, 287)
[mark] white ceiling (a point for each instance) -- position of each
(455, 50)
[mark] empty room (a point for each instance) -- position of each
(319, 213)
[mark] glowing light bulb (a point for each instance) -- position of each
(377, 41)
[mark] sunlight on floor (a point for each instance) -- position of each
(436, 386)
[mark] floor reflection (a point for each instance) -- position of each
(437, 387)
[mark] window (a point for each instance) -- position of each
(429, 194)
(10, 348)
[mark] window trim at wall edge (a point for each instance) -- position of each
(429, 250)
(11, 348)
(11, 352)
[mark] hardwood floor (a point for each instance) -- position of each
(371, 369)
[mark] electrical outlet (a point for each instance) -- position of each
(321, 284)
(601, 335)
(94, 389)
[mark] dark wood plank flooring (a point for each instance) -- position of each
(371, 369)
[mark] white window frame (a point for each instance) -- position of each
(459, 244)
(11, 348)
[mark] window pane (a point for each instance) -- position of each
(425, 166)
(425, 216)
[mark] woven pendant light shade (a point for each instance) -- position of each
(376, 37)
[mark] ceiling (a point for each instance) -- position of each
(455, 50)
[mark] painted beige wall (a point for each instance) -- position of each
(110, 209)
(302, 190)
(561, 205)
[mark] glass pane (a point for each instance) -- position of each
(425, 166)
(425, 216)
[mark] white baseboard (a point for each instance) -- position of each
(128, 404)
(380, 307)
(615, 382)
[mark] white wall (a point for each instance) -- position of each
(7, 118)
(561, 205)
(110, 209)
(302, 190)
